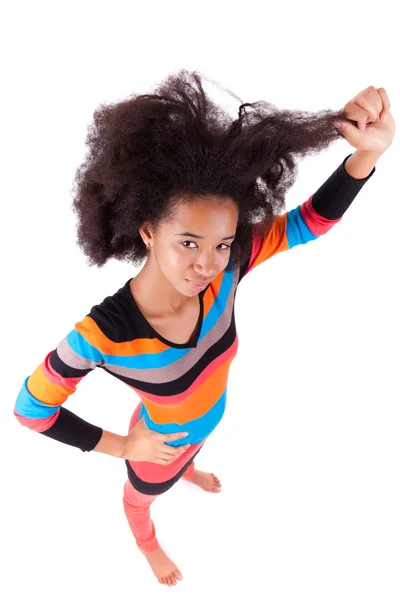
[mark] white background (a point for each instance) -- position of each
(310, 501)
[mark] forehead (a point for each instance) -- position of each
(206, 213)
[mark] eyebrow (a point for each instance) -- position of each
(187, 233)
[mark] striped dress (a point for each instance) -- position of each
(181, 387)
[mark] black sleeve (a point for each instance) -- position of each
(334, 196)
(71, 429)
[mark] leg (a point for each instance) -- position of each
(137, 510)
(188, 474)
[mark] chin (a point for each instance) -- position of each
(187, 289)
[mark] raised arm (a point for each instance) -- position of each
(314, 217)
(369, 127)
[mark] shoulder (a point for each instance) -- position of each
(112, 314)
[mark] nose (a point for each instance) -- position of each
(206, 266)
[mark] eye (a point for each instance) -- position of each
(190, 242)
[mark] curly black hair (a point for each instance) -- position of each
(152, 150)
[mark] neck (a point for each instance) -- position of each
(154, 291)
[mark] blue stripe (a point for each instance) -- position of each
(82, 347)
(142, 361)
(27, 405)
(297, 231)
(218, 306)
(198, 429)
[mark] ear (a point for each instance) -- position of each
(146, 233)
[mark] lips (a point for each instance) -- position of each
(197, 286)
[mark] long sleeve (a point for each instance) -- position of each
(308, 221)
(39, 405)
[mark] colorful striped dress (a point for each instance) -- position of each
(181, 387)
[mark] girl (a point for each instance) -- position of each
(170, 177)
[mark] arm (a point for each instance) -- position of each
(39, 405)
(317, 215)
(112, 444)
(360, 164)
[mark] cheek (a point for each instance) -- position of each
(225, 261)
(177, 257)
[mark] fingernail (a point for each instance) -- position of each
(337, 124)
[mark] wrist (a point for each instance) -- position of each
(361, 163)
(124, 441)
(112, 444)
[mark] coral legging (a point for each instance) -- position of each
(137, 510)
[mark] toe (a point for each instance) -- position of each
(178, 574)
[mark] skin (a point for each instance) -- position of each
(161, 287)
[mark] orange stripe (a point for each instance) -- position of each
(212, 293)
(92, 333)
(141, 346)
(44, 390)
(197, 404)
(275, 241)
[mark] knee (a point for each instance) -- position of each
(131, 501)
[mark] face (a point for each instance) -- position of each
(194, 245)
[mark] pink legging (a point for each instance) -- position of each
(137, 510)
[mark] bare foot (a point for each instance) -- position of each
(207, 481)
(163, 567)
